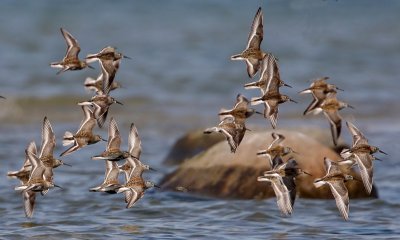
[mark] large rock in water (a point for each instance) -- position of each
(219, 173)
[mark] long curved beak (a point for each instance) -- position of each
(58, 186)
(102, 139)
(292, 100)
(306, 173)
(120, 103)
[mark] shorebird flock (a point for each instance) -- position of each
(282, 174)
(36, 175)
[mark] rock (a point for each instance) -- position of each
(196, 141)
(219, 173)
(190, 145)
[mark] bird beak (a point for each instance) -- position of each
(156, 186)
(377, 159)
(287, 85)
(103, 139)
(307, 173)
(90, 67)
(383, 152)
(58, 186)
(293, 100)
(126, 57)
(152, 169)
(259, 112)
(66, 164)
(2, 97)
(339, 89)
(296, 152)
(351, 107)
(120, 103)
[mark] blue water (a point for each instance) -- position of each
(179, 77)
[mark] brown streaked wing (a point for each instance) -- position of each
(137, 193)
(88, 122)
(358, 137)
(29, 202)
(256, 33)
(365, 163)
(282, 195)
(341, 195)
(73, 48)
(114, 137)
(134, 142)
(48, 139)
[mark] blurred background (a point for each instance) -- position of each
(179, 77)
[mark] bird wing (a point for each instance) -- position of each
(365, 163)
(134, 142)
(48, 139)
(256, 33)
(73, 48)
(282, 195)
(29, 202)
(341, 195)
(335, 123)
(88, 121)
(114, 137)
(358, 137)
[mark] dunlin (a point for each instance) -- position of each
(23, 173)
(71, 60)
(282, 178)
(37, 181)
(271, 100)
(234, 132)
(46, 155)
(335, 180)
(360, 154)
(253, 54)
(109, 60)
(276, 148)
(110, 183)
(269, 71)
(330, 107)
(113, 151)
(240, 111)
(96, 85)
(320, 90)
(100, 103)
(84, 136)
(136, 186)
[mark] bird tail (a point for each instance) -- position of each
(237, 57)
(251, 85)
(318, 183)
(256, 101)
(68, 138)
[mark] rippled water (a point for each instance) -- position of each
(179, 77)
